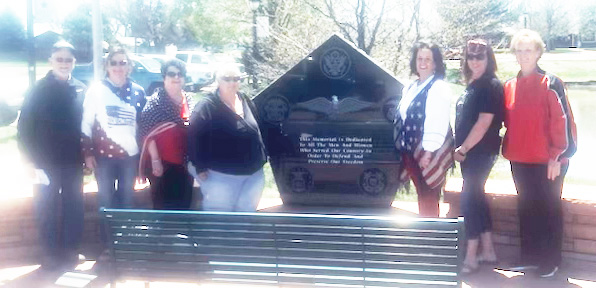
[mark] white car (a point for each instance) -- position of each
(198, 67)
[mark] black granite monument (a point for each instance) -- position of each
(327, 125)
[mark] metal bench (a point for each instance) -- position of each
(284, 250)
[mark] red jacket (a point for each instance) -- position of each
(539, 120)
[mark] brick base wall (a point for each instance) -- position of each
(19, 235)
(579, 222)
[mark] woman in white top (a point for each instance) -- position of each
(422, 130)
(109, 127)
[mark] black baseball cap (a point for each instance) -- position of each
(63, 45)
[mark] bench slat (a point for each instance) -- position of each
(286, 250)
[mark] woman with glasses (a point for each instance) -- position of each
(422, 132)
(225, 147)
(110, 114)
(163, 130)
(479, 117)
(540, 139)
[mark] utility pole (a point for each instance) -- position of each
(30, 44)
(97, 41)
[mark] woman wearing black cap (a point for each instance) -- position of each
(49, 133)
(479, 118)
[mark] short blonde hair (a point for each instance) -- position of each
(227, 69)
(529, 36)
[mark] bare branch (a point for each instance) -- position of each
(373, 35)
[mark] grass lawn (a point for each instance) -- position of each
(571, 65)
(583, 103)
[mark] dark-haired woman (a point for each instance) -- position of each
(163, 130)
(422, 131)
(479, 119)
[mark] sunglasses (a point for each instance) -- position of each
(478, 57)
(231, 78)
(118, 63)
(64, 60)
(174, 74)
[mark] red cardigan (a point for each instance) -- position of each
(539, 120)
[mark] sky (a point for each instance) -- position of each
(44, 8)
(57, 10)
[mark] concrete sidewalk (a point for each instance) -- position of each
(87, 276)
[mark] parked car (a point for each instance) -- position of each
(8, 112)
(161, 58)
(198, 66)
(145, 72)
(453, 54)
(10, 104)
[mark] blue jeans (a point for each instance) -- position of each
(475, 170)
(232, 193)
(60, 212)
(115, 181)
(115, 184)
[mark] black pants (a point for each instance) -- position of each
(540, 213)
(173, 190)
(475, 170)
(60, 210)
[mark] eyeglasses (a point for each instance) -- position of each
(173, 74)
(478, 57)
(64, 60)
(231, 78)
(476, 47)
(119, 63)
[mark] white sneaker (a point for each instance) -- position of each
(548, 272)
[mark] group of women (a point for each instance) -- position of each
(219, 143)
(125, 136)
(540, 138)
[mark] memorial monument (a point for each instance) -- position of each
(327, 126)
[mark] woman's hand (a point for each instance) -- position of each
(425, 159)
(203, 175)
(157, 168)
(90, 162)
(460, 154)
(554, 169)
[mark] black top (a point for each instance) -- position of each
(49, 128)
(484, 95)
(220, 140)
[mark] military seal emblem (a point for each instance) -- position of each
(335, 63)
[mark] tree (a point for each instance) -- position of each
(482, 18)
(159, 23)
(12, 33)
(77, 29)
(216, 24)
(588, 22)
(554, 22)
(358, 22)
